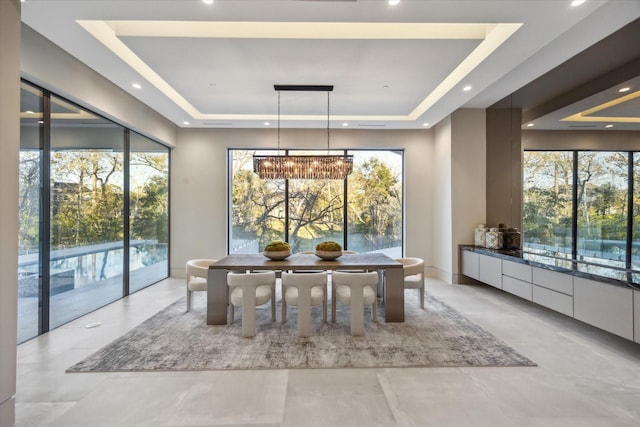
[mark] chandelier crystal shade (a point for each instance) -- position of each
(303, 167)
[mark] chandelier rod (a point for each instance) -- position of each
(328, 92)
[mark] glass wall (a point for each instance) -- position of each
(257, 207)
(149, 211)
(93, 212)
(87, 212)
(547, 201)
(29, 211)
(603, 185)
(588, 192)
(315, 209)
(375, 202)
(635, 252)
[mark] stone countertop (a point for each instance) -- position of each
(611, 275)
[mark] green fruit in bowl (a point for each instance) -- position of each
(328, 246)
(277, 246)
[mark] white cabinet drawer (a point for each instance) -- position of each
(516, 287)
(553, 280)
(471, 264)
(605, 306)
(554, 300)
(491, 270)
(516, 270)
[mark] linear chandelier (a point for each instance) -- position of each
(303, 167)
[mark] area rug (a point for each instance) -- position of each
(174, 340)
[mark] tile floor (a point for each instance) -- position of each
(585, 377)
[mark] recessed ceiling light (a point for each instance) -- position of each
(137, 85)
(609, 126)
(425, 125)
(575, 3)
(624, 89)
(207, 1)
(345, 124)
(185, 123)
(530, 125)
(393, 2)
(466, 88)
(267, 124)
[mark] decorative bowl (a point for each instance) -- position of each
(277, 255)
(328, 255)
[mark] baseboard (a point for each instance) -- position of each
(439, 274)
(177, 273)
(461, 279)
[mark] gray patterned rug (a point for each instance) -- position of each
(174, 340)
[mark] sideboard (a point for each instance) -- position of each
(606, 298)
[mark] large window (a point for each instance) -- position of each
(93, 212)
(547, 195)
(602, 202)
(363, 213)
(579, 205)
(635, 251)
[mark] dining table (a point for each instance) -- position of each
(391, 274)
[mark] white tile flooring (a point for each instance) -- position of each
(584, 377)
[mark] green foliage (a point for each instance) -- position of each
(328, 246)
(316, 207)
(277, 246)
(601, 196)
(375, 208)
(87, 198)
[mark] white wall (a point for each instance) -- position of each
(459, 169)
(441, 202)
(9, 147)
(468, 174)
(199, 186)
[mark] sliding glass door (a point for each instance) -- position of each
(30, 212)
(87, 212)
(149, 211)
(94, 212)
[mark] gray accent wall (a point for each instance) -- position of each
(504, 167)
(9, 150)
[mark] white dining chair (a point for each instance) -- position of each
(413, 269)
(197, 272)
(304, 291)
(250, 290)
(355, 290)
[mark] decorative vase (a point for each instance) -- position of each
(277, 255)
(494, 239)
(328, 255)
(479, 236)
(512, 238)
